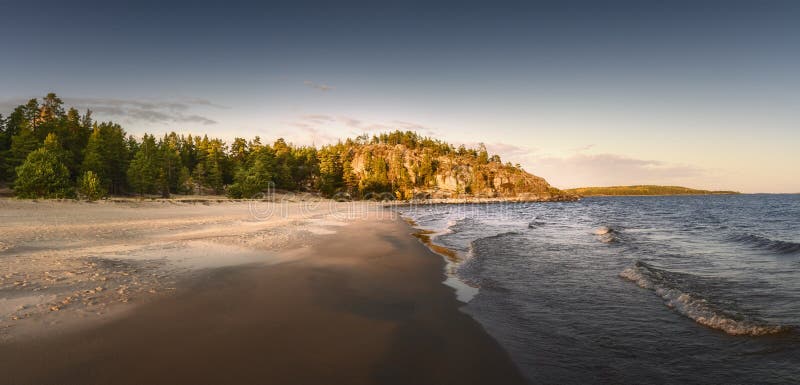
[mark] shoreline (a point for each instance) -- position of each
(327, 312)
(290, 197)
(658, 195)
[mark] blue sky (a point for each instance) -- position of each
(696, 93)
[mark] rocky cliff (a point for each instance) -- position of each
(427, 169)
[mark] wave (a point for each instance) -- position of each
(692, 305)
(469, 270)
(607, 234)
(764, 243)
(536, 222)
(602, 230)
(496, 236)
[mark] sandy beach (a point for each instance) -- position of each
(170, 292)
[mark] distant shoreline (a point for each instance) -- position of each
(659, 195)
(644, 190)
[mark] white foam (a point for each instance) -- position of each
(696, 308)
(603, 230)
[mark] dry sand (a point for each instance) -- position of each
(66, 264)
(194, 293)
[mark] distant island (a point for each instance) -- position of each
(642, 190)
(49, 151)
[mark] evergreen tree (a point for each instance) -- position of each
(376, 179)
(305, 168)
(143, 172)
(22, 144)
(212, 169)
(349, 177)
(284, 163)
(198, 176)
(52, 108)
(5, 143)
(483, 155)
(214, 174)
(94, 159)
(239, 152)
(30, 112)
(116, 155)
(330, 171)
(106, 154)
(75, 137)
(185, 182)
(43, 174)
(89, 186)
(170, 166)
(254, 179)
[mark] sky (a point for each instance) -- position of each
(697, 93)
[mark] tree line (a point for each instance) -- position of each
(47, 151)
(643, 190)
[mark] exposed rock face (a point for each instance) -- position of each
(417, 174)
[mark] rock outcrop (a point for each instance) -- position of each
(423, 173)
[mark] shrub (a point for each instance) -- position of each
(89, 186)
(42, 175)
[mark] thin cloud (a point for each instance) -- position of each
(611, 169)
(318, 86)
(149, 111)
(317, 118)
(583, 148)
(582, 169)
(315, 124)
(510, 151)
(140, 110)
(313, 134)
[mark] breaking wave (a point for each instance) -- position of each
(666, 285)
(535, 223)
(764, 243)
(607, 234)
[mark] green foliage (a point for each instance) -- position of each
(143, 173)
(94, 159)
(5, 143)
(212, 156)
(169, 165)
(376, 179)
(22, 143)
(331, 170)
(43, 174)
(101, 158)
(89, 186)
(254, 179)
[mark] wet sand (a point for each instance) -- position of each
(363, 305)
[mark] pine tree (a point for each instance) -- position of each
(94, 159)
(305, 168)
(143, 172)
(483, 155)
(349, 176)
(255, 179)
(330, 171)
(116, 155)
(43, 174)
(52, 108)
(21, 136)
(89, 186)
(5, 143)
(169, 165)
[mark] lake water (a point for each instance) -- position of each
(679, 289)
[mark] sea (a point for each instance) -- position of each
(631, 290)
